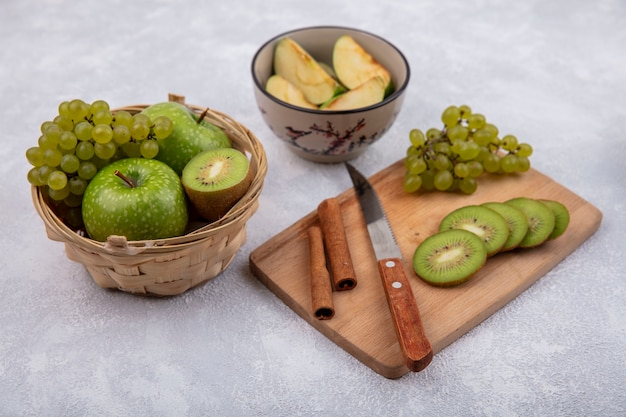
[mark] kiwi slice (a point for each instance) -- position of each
(215, 180)
(541, 220)
(487, 224)
(515, 219)
(561, 217)
(449, 257)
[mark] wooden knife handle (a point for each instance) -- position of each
(415, 346)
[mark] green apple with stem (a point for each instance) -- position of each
(141, 199)
(192, 134)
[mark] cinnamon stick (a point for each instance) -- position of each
(321, 289)
(329, 212)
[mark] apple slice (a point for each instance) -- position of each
(354, 65)
(370, 92)
(283, 90)
(295, 64)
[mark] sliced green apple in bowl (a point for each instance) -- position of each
(283, 90)
(354, 66)
(366, 94)
(298, 67)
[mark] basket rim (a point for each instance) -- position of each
(240, 135)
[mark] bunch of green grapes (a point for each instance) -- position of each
(451, 158)
(83, 138)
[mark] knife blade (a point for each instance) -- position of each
(402, 304)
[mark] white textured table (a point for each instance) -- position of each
(553, 73)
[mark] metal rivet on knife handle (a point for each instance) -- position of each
(334, 234)
(321, 288)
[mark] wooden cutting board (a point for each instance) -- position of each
(362, 324)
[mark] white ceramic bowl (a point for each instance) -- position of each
(322, 135)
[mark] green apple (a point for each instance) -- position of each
(142, 199)
(189, 137)
(354, 65)
(298, 67)
(283, 90)
(370, 92)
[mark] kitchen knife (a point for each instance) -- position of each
(408, 324)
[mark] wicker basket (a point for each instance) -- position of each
(167, 266)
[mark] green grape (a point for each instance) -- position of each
(470, 151)
(491, 128)
(433, 134)
(411, 183)
(416, 165)
(428, 180)
(443, 180)
(484, 151)
(491, 163)
(69, 163)
(461, 170)
(105, 150)
(508, 163)
(465, 111)
(68, 141)
(33, 177)
(442, 162)
(47, 142)
(85, 150)
(34, 156)
(102, 133)
(475, 169)
(59, 194)
(52, 157)
(64, 109)
(149, 149)
(83, 130)
(458, 146)
(140, 129)
(64, 122)
(482, 137)
(53, 132)
(442, 147)
(163, 127)
(458, 132)
(73, 200)
(78, 110)
(524, 149)
(476, 121)
(131, 149)
(509, 142)
(468, 185)
(102, 117)
(44, 171)
(98, 106)
(57, 180)
(121, 134)
(77, 185)
(523, 163)
(450, 116)
(413, 151)
(417, 138)
(87, 170)
(100, 162)
(122, 118)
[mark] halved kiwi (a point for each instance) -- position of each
(215, 180)
(485, 223)
(561, 217)
(516, 220)
(541, 220)
(449, 257)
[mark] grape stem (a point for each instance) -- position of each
(127, 180)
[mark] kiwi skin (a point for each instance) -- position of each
(541, 220)
(561, 217)
(212, 200)
(516, 220)
(487, 224)
(438, 261)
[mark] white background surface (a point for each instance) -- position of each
(551, 72)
